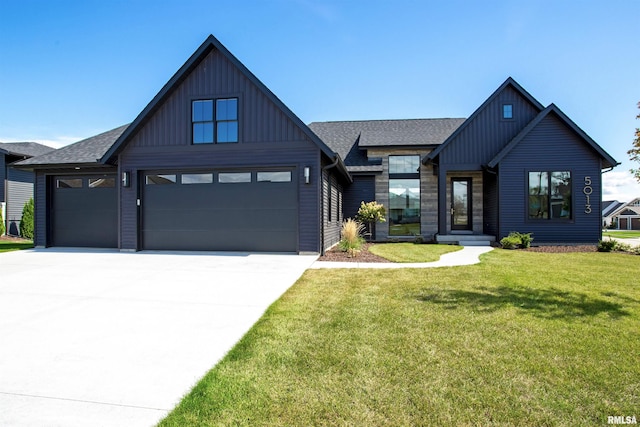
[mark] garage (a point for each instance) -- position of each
(84, 211)
(231, 210)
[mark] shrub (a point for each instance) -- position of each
(26, 223)
(370, 213)
(1, 224)
(516, 240)
(607, 245)
(351, 240)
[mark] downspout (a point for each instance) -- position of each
(336, 159)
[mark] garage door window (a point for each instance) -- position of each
(69, 183)
(234, 177)
(160, 179)
(284, 176)
(197, 178)
(102, 182)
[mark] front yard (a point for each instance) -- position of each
(523, 338)
(14, 244)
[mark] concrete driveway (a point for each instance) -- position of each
(116, 339)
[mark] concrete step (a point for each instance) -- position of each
(466, 239)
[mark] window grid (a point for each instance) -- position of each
(214, 125)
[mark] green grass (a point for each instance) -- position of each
(627, 234)
(7, 245)
(411, 252)
(523, 338)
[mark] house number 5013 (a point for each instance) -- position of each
(587, 190)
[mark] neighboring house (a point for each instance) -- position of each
(609, 208)
(217, 162)
(626, 216)
(16, 185)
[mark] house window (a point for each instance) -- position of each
(404, 195)
(507, 111)
(549, 195)
(217, 125)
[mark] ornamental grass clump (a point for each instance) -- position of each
(351, 240)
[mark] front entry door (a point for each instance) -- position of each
(461, 218)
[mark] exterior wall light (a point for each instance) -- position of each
(126, 179)
(306, 174)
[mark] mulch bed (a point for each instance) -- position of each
(336, 255)
(13, 239)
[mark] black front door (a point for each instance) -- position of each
(461, 217)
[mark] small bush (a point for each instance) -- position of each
(370, 213)
(26, 223)
(351, 240)
(607, 245)
(1, 224)
(516, 240)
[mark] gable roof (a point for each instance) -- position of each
(24, 149)
(510, 82)
(609, 161)
(610, 206)
(87, 151)
(350, 139)
(210, 44)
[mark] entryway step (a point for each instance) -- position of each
(466, 239)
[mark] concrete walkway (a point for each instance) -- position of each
(467, 256)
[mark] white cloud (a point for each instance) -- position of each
(619, 185)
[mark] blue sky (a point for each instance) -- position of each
(72, 69)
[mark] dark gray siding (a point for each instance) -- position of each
(551, 146)
(363, 189)
(41, 206)
(19, 191)
(3, 176)
(229, 157)
(490, 203)
(488, 132)
(332, 209)
(259, 119)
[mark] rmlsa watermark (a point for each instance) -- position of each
(621, 419)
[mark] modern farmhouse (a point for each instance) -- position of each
(217, 162)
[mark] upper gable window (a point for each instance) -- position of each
(507, 111)
(214, 121)
(404, 164)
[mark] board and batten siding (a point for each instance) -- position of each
(19, 191)
(551, 146)
(363, 189)
(487, 133)
(259, 119)
(230, 157)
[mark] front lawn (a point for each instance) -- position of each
(627, 234)
(14, 245)
(411, 252)
(522, 338)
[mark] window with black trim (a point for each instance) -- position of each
(549, 195)
(214, 121)
(404, 195)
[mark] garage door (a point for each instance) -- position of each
(84, 211)
(229, 211)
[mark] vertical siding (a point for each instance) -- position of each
(363, 189)
(259, 119)
(19, 191)
(41, 206)
(551, 146)
(488, 133)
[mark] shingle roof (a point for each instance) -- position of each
(349, 139)
(88, 150)
(27, 149)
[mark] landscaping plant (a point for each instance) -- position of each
(370, 213)
(516, 240)
(26, 224)
(351, 240)
(1, 224)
